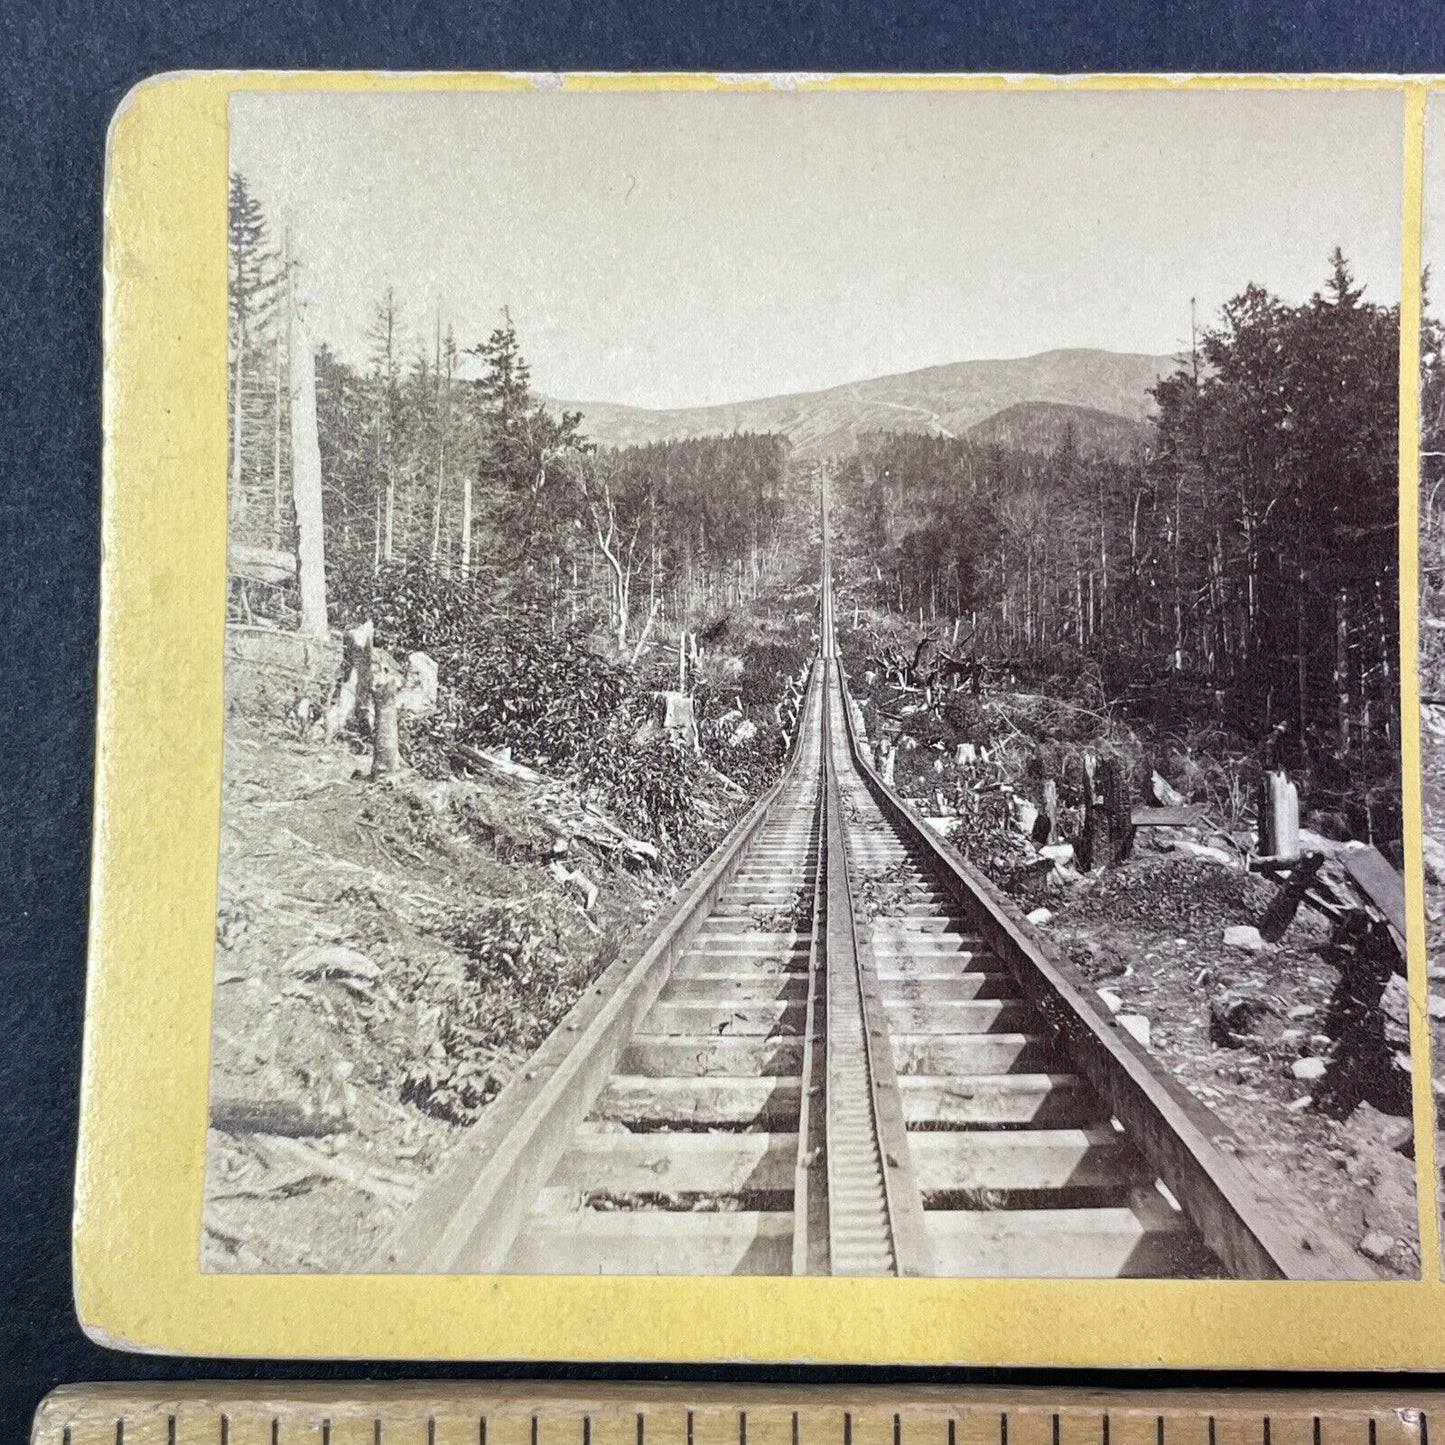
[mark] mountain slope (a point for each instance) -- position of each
(944, 399)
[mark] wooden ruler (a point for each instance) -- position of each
(444, 1413)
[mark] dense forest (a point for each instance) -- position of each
(1239, 566)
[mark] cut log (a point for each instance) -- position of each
(260, 564)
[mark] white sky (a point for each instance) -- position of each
(674, 249)
(1432, 239)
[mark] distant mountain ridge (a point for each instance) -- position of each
(946, 400)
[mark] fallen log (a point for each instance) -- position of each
(385, 1185)
(497, 762)
(292, 1118)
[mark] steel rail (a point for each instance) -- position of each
(862, 1081)
(467, 1217)
(1254, 1230)
(811, 1254)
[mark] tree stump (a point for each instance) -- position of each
(385, 739)
(356, 668)
(1049, 813)
(1278, 817)
(1108, 836)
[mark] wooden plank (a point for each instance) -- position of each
(509, 1427)
(937, 926)
(719, 1164)
(902, 962)
(1057, 1099)
(591, 1241)
(1142, 1240)
(711, 1018)
(926, 944)
(747, 986)
(704, 961)
(1023, 1159)
(1184, 817)
(769, 1425)
(1375, 877)
(552, 1429)
(660, 1054)
(930, 987)
(870, 1427)
(959, 1016)
(699, 1101)
(980, 1054)
(716, 1425)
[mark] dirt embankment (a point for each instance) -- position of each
(387, 956)
(1233, 1023)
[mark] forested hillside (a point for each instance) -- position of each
(1238, 571)
(477, 480)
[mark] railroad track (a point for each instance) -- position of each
(842, 1052)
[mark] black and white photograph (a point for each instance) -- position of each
(813, 684)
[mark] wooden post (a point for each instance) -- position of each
(385, 740)
(306, 486)
(1118, 798)
(1279, 817)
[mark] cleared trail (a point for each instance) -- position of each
(842, 1052)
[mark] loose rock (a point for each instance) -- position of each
(1244, 936)
(1377, 1245)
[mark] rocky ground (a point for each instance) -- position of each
(387, 955)
(1432, 780)
(1170, 940)
(1236, 1025)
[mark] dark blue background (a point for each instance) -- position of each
(66, 66)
